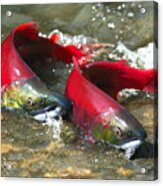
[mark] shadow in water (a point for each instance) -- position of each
(146, 150)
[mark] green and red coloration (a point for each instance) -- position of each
(21, 87)
(91, 87)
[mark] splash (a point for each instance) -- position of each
(52, 119)
(129, 148)
(140, 58)
(77, 40)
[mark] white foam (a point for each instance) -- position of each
(56, 126)
(129, 147)
(49, 118)
(77, 40)
(141, 58)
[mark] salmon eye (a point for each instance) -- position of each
(117, 131)
(130, 134)
(30, 101)
(42, 102)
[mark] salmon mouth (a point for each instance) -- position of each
(44, 109)
(59, 106)
(50, 111)
(129, 147)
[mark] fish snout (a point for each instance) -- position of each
(140, 133)
(56, 105)
(136, 130)
(61, 101)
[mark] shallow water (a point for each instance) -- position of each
(28, 147)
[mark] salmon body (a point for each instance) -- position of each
(92, 87)
(22, 89)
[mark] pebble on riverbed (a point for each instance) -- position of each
(71, 172)
(6, 147)
(125, 172)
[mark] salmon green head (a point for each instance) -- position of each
(120, 130)
(32, 96)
